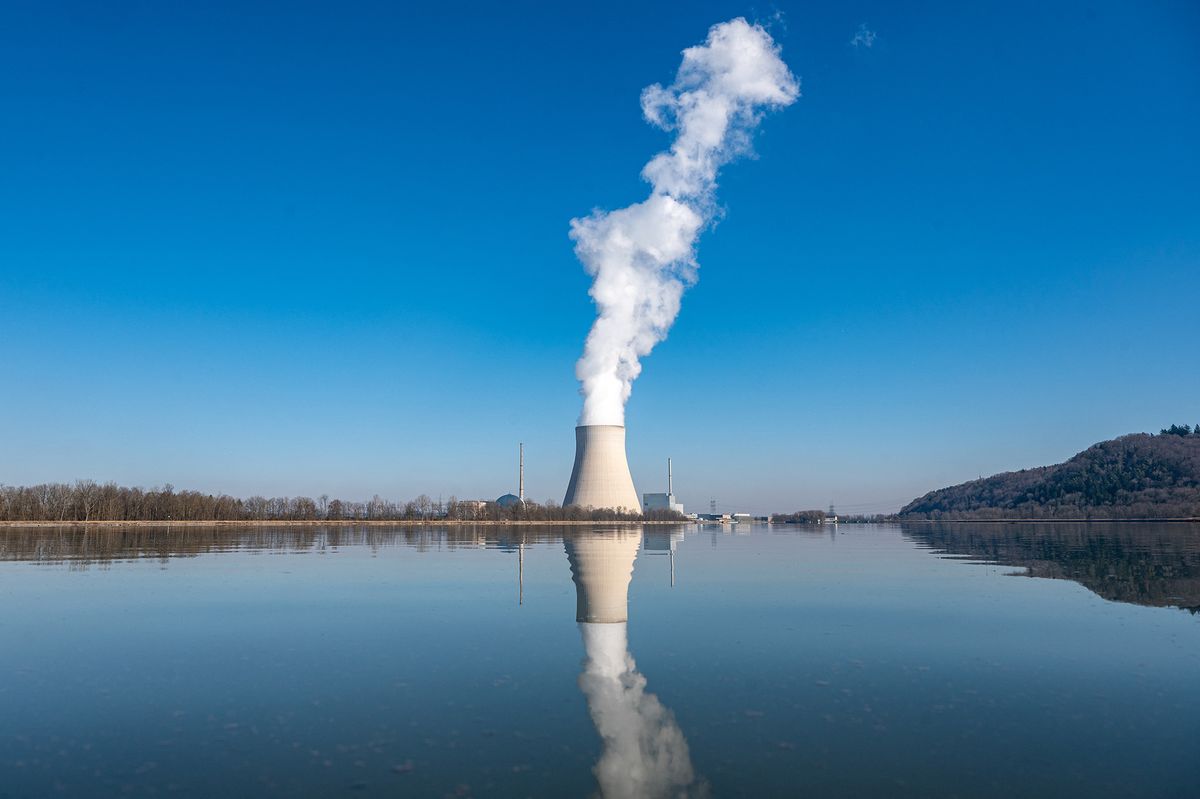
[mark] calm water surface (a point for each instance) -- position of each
(863, 660)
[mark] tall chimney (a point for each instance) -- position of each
(669, 490)
(600, 477)
(521, 480)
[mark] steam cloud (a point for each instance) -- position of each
(643, 256)
(645, 754)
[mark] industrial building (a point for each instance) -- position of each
(663, 501)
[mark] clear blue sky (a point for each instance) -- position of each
(305, 248)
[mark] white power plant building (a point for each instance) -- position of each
(600, 477)
(663, 501)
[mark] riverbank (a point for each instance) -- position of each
(337, 523)
(1078, 520)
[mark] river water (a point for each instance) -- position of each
(862, 660)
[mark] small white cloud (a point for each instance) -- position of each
(863, 37)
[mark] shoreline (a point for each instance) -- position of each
(332, 523)
(1174, 520)
(538, 523)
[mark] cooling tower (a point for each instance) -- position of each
(600, 477)
(601, 568)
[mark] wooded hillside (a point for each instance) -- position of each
(1134, 476)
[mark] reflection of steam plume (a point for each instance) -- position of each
(645, 754)
(642, 256)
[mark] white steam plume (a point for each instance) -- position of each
(645, 755)
(643, 256)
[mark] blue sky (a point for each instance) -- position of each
(305, 248)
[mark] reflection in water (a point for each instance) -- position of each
(82, 546)
(645, 753)
(855, 669)
(1156, 564)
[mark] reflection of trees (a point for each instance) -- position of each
(1144, 564)
(645, 753)
(82, 546)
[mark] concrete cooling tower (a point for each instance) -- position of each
(600, 477)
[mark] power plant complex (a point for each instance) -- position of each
(600, 479)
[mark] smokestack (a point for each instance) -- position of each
(521, 479)
(600, 477)
(669, 489)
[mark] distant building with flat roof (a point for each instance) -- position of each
(663, 501)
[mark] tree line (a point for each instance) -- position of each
(86, 501)
(1131, 477)
(1180, 430)
(799, 517)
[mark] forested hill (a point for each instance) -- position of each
(1137, 476)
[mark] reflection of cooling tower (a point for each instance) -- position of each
(602, 566)
(645, 755)
(600, 477)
